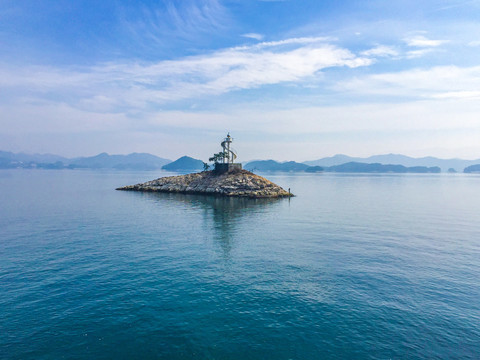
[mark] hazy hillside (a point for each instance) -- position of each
(26, 158)
(332, 161)
(355, 167)
(443, 164)
(135, 161)
(314, 169)
(349, 167)
(145, 161)
(185, 163)
(472, 169)
(271, 165)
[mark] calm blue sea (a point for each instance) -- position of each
(354, 267)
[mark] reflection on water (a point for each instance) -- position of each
(224, 203)
(355, 267)
(221, 213)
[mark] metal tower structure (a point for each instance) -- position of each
(229, 155)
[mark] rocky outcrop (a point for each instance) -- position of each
(236, 183)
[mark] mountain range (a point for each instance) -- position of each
(144, 161)
(356, 167)
(134, 161)
(272, 165)
(185, 163)
(349, 167)
(396, 159)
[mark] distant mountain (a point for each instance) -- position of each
(332, 161)
(9, 160)
(7, 163)
(27, 158)
(472, 169)
(443, 164)
(314, 169)
(135, 161)
(185, 163)
(272, 165)
(355, 167)
(351, 167)
(144, 161)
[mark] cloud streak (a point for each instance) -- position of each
(437, 82)
(239, 68)
(422, 42)
(254, 36)
(381, 51)
(180, 21)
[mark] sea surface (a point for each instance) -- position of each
(354, 267)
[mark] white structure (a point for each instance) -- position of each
(229, 155)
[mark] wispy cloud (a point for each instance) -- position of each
(254, 36)
(437, 82)
(311, 130)
(458, 95)
(285, 42)
(381, 51)
(136, 84)
(174, 21)
(422, 41)
(456, 4)
(417, 53)
(474, 43)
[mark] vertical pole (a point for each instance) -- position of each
(223, 147)
(228, 150)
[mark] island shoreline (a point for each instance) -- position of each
(237, 183)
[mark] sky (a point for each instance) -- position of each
(289, 80)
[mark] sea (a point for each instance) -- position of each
(355, 266)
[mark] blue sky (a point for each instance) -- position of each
(291, 80)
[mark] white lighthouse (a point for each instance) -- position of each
(228, 157)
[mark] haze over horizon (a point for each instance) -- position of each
(289, 80)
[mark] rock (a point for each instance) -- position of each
(235, 183)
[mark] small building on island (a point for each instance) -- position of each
(226, 179)
(224, 161)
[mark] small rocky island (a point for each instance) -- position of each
(227, 179)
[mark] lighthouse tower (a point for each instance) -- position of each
(228, 157)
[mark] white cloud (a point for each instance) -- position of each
(312, 131)
(380, 51)
(254, 36)
(56, 118)
(361, 128)
(286, 42)
(458, 95)
(420, 83)
(431, 114)
(474, 43)
(134, 85)
(421, 41)
(412, 54)
(177, 21)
